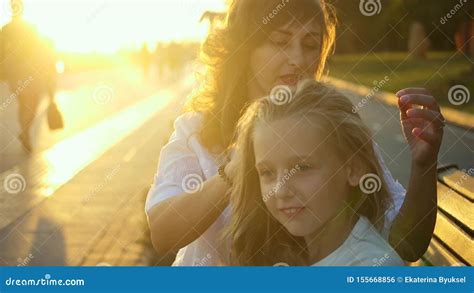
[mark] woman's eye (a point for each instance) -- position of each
(279, 42)
(312, 46)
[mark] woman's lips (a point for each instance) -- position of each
(292, 212)
(289, 79)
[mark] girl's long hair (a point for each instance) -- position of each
(222, 97)
(256, 238)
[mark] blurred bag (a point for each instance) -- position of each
(55, 119)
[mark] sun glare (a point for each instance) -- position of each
(105, 26)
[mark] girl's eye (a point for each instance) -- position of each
(304, 167)
(265, 173)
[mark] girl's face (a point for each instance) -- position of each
(303, 183)
(290, 53)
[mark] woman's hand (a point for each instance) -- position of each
(413, 226)
(231, 166)
(422, 127)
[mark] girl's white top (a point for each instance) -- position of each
(363, 247)
(184, 164)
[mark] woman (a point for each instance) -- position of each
(263, 45)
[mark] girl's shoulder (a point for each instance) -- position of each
(363, 247)
(370, 248)
(188, 123)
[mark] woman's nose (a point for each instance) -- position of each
(295, 56)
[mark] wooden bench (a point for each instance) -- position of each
(452, 243)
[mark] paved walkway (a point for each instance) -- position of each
(81, 202)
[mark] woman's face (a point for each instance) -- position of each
(290, 53)
(303, 183)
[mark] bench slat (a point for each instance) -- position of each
(457, 206)
(438, 255)
(459, 181)
(455, 238)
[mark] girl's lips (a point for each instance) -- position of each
(292, 212)
(289, 79)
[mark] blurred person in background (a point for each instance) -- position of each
(28, 66)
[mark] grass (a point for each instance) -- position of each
(438, 73)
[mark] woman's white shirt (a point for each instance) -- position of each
(184, 164)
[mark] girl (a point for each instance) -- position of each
(307, 187)
(246, 58)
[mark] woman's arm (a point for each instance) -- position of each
(413, 227)
(178, 221)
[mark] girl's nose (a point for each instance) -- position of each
(282, 187)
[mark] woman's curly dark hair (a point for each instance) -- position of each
(222, 96)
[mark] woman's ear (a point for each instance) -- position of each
(355, 171)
